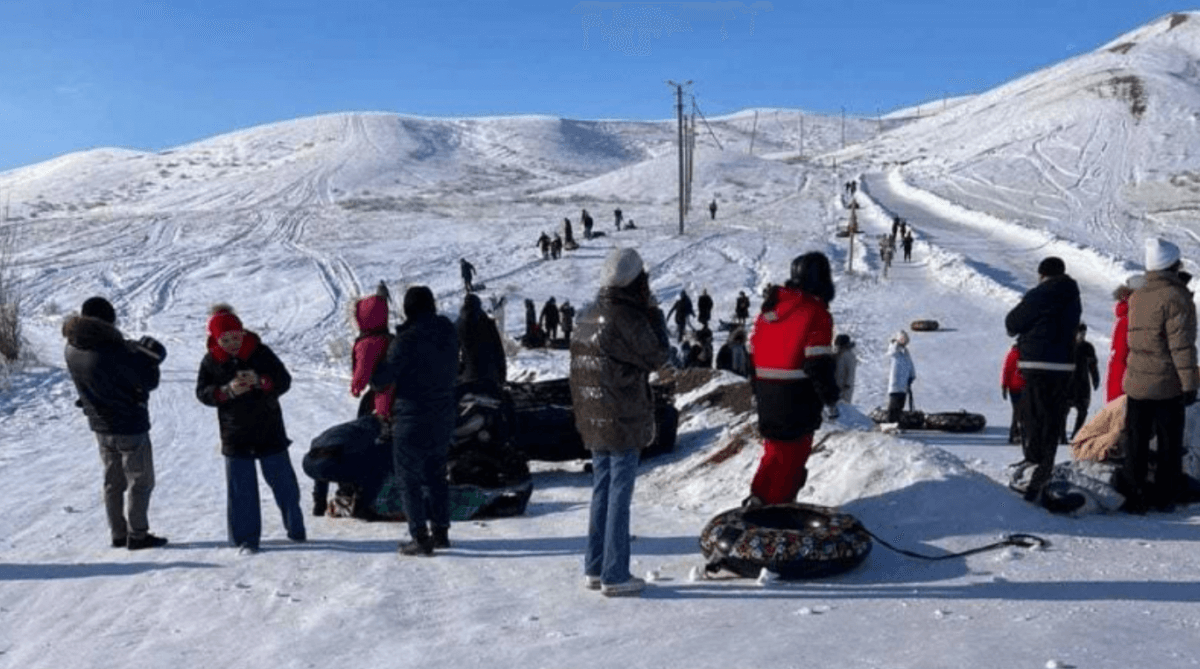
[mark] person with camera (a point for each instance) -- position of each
(114, 377)
(244, 379)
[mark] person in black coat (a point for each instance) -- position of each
(1084, 379)
(549, 320)
(114, 377)
(352, 454)
(481, 351)
(741, 308)
(682, 311)
(1044, 323)
(704, 305)
(468, 274)
(422, 362)
(243, 379)
(587, 222)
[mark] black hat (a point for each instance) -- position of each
(418, 300)
(843, 341)
(1052, 266)
(98, 307)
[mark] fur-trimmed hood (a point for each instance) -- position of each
(88, 333)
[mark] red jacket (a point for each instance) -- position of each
(1010, 377)
(1120, 352)
(792, 350)
(371, 314)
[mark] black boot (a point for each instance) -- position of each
(421, 544)
(320, 498)
(441, 536)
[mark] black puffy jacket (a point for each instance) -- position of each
(251, 423)
(422, 362)
(113, 376)
(1044, 323)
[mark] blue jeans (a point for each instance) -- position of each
(243, 512)
(607, 556)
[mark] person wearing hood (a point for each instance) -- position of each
(422, 364)
(114, 377)
(621, 338)
(1119, 349)
(733, 355)
(1012, 385)
(1084, 380)
(468, 274)
(1161, 379)
(1044, 323)
(243, 379)
(792, 351)
(566, 315)
(901, 374)
(482, 358)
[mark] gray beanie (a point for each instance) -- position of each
(621, 267)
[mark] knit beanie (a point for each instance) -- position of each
(418, 300)
(621, 267)
(223, 320)
(98, 307)
(1052, 266)
(1160, 254)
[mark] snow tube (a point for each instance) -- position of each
(924, 325)
(955, 421)
(795, 541)
(909, 420)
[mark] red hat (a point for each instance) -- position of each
(222, 322)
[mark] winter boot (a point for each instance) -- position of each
(320, 498)
(421, 544)
(441, 536)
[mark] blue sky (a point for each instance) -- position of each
(79, 74)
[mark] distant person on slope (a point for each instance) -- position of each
(704, 304)
(243, 379)
(741, 308)
(114, 377)
(682, 310)
(549, 320)
(619, 216)
(845, 368)
(587, 221)
(908, 246)
(793, 377)
(468, 273)
(712, 209)
(1044, 324)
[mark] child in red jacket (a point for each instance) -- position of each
(1011, 385)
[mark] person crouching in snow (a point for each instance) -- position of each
(243, 379)
(792, 351)
(619, 340)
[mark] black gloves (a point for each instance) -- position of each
(153, 348)
(1189, 398)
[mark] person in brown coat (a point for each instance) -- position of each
(1160, 379)
(618, 341)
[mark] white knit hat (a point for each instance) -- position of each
(621, 267)
(1160, 254)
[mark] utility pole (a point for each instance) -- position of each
(843, 127)
(800, 147)
(753, 132)
(679, 115)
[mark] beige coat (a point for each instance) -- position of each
(1162, 339)
(1100, 439)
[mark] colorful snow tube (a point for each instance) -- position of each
(926, 325)
(955, 421)
(795, 541)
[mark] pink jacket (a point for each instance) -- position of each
(1120, 352)
(371, 315)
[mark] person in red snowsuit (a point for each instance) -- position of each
(1011, 385)
(371, 316)
(792, 350)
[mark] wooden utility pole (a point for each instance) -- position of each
(843, 127)
(679, 115)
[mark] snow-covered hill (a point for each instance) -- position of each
(290, 222)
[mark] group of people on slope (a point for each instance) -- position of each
(1154, 366)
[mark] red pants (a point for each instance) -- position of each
(781, 471)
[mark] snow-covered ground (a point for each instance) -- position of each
(291, 222)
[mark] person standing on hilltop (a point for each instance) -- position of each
(704, 305)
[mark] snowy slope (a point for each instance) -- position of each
(290, 222)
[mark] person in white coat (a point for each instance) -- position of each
(900, 376)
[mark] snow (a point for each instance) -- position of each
(290, 222)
